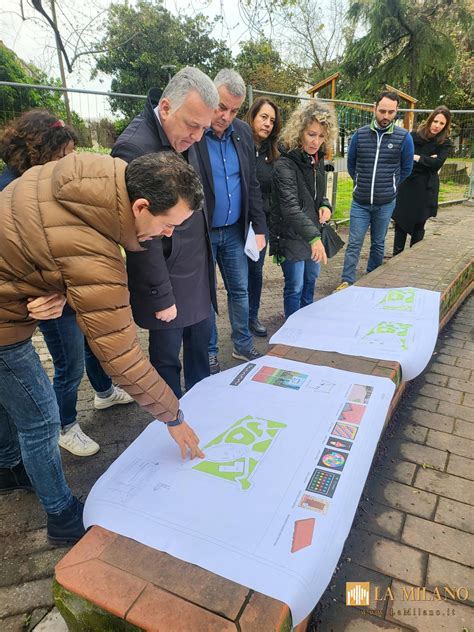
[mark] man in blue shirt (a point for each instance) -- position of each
(233, 200)
(380, 157)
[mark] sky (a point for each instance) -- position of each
(33, 41)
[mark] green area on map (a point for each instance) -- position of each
(235, 454)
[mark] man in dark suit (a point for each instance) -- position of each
(233, 200)
(172, 282)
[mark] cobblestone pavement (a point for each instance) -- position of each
(418, 507)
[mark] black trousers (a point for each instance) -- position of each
(164, 346)
(401, 237)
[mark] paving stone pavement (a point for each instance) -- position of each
(414, 523)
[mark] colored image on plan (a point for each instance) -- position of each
(280, 377)
(360, 393)
(340, 444)
(333, 459)
(352, 413)
(319, 505)
(323, 483)
(241, 375)
(302, 534)
(235, 454)
(344, 430)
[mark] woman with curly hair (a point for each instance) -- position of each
(264, 119)
(417, 198)
(35, 138)
(299, 205)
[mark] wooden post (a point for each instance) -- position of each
(409, 117)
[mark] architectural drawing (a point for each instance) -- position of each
(389, 335)
(400, 299)
(234, 454)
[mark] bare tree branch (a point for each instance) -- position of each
(39, 7)
(76, 34)
(105, 50)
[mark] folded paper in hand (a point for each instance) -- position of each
(250, 248)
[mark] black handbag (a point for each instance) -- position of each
(331, 241)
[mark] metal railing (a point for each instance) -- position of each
(94, 112)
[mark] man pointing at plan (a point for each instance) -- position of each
(60, 229)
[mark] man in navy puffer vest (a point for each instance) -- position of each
(380, 157)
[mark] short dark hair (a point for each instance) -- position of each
(387, 94)
(163, 179)
(34, 138)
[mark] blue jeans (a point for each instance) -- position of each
(378, 217)
(29, 424)
(256, 282)
(300, 281)
(69, 350)
(228, 251)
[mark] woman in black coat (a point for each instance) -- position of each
(264, 119)
(299, 203)
(417, 198)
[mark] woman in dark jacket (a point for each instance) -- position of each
(264, 119)
(299, 205)
(417, 198)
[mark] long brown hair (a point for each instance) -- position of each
(424, 129)
(33, 139)
(273, 153)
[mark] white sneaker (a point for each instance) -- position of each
(118, 397)
(75, 441)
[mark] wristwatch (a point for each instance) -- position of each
(178, 421)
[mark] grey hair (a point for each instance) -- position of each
(186, 80)
(231, 80)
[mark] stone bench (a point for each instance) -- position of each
(110, 582)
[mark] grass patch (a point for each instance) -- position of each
(448, 190)
(94, 150)
(343, 196)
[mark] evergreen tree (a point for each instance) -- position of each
(407, 44)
